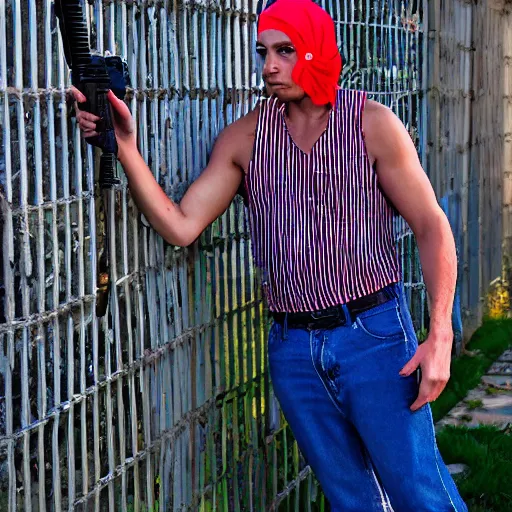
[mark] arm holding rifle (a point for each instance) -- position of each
(205, 200)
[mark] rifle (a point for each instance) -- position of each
(94, 75)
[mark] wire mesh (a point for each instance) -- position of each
(165, 403)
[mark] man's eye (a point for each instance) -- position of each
(261, 52)
(286, 49)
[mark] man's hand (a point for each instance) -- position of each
(124, 124)
(433, 357)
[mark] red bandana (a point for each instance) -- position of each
(311, 30)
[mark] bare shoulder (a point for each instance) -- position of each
(383, 130)
(376, 115)
(237, 139)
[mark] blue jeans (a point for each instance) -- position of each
(348, 408)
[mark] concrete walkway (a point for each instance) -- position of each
(490, 403)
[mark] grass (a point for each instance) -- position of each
(487, 343)
(474, 404)
(486, 450)
(488, 453)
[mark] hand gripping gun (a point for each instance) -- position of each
(94, 75)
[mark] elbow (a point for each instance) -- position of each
(178, 229)
(434, 225)
(186, 242)
(177, 240)
(182, 237)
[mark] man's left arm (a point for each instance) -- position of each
(405, 183)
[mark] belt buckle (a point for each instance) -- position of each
(338, 318)
(319, 314)
(314, 315)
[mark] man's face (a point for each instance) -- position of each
(280, 57)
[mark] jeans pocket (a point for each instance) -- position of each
(382, 322)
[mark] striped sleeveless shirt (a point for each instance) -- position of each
(322, 230)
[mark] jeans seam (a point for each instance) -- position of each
(363, 328)
(384, 498)
(320, 377)
(407, 348)
(430, 419)
(322, 356)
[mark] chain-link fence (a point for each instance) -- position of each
(164, 403)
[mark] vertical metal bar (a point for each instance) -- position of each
(26, 267)
(138, 299)
(8, 257)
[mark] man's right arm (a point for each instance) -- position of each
(206, 198)
(209, 195)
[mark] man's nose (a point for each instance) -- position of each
(270, 65)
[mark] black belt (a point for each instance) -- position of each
(335, 315)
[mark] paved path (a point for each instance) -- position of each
(490, 403)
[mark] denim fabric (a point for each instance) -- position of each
(348, 408)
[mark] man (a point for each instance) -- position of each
(323, 171)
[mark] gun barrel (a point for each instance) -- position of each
(75, 36)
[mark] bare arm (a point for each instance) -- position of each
(209, 195)
(405, 183)
(206, 198)
(407, 186)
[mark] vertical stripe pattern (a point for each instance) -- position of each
(322, 229)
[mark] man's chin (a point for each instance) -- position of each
(282, 94)
(275, 91)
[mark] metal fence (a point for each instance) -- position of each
(165, 403)
(469, 138)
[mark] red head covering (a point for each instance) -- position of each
(311, 30)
